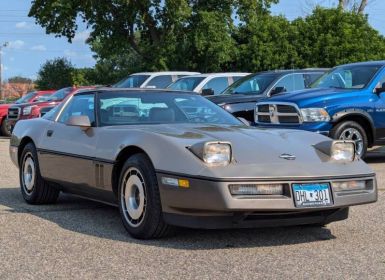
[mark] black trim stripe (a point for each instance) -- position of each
(44, 151)
(264, 179)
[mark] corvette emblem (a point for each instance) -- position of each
(288, 156)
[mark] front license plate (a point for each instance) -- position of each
(312, 195)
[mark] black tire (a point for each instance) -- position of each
(339, 129)
(38, 191)
(4, 129)
(150, 224)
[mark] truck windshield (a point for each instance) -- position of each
(187, 83)
(26, 98)
(347, 77)
(251, 85)
(133, 81)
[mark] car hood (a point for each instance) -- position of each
(309, 97)
(4, 108)
(223, 99)
(256, 152)
(38, 104)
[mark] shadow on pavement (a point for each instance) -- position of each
(102, 221)
(375, 155)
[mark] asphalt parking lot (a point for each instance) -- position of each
(80, 239)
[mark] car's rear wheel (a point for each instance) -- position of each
(139, 199)
(5, 129)
(351, 130)
(34, 188)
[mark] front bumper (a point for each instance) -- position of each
(208, 203)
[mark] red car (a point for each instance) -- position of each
(30, 97)
(40, 108)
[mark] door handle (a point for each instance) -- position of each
(49, 133)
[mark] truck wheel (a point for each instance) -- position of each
(5, 131)
(351, 130)
(139, 199)
(34, 188)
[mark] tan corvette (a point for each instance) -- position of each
(168, 158)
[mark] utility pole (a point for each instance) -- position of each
(3, 45)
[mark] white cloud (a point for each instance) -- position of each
(21, 25)
(16, 44)
(3, 67)
(70, 53)
(39, 48)
(81, 36)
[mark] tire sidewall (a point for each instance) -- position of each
(29, 149)
(153, 211)
(4, 128)
(337, 131)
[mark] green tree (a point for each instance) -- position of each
(19, 80)
(55, 74)
(329, 37)
(170, 34)
(265, 43)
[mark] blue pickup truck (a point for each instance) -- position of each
(346, 103)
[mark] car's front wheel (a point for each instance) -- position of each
(139, 199)
(34, 188)
(351, 130)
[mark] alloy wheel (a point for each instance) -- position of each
(133, 197)
(353, 135)
(28, 173)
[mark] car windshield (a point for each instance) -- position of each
(133, 81)
(347, 77)
(189, 83)
(251, 85)
(58, 95)
(26, 98)
(122, 108)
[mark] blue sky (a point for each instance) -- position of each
(29, 46)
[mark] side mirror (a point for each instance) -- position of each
(381, 89)
(277, 90)
(244, 121)
(81, 121)
(207, 92)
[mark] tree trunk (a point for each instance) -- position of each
(341, 4)
(362, 7)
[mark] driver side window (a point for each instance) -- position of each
(80, 105)
(291, 82)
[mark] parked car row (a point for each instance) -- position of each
(30, 98)
(343, 103)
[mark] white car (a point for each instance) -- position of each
(152, 79)
(207, 84)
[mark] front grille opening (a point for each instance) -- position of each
(286, 109)
(264, 119)
(277, 114)
(288, 119)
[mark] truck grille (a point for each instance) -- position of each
(267, 113)
(13, 113)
